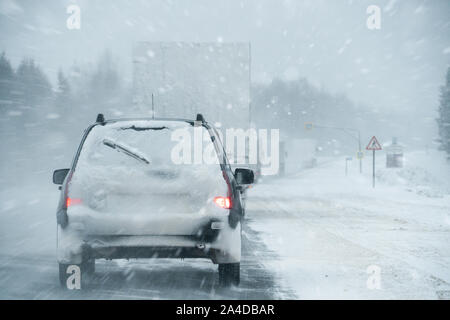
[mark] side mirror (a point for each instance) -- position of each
(244, 176)
(59, 175)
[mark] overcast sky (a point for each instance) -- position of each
(398, 68)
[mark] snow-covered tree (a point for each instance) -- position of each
(105, 88)
(6, 81)
(444, 115)
(33, 85)
(63, 92)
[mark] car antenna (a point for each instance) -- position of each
(153, 108)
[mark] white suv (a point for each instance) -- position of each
(150, 188)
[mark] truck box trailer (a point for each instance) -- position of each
(181, 79)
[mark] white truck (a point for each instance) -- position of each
(179, 79)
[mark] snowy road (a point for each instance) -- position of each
(313, 235)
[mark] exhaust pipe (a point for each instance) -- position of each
(200, 246)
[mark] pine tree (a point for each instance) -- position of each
(63, 92)
(34, 87)
(105, 85)
(444, 116)
(6, 81)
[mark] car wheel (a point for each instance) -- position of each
(89, 266)
(229, 274)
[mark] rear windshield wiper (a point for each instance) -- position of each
(124, 149)
(133, 127)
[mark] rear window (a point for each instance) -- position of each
(163, 149)
(156, 144)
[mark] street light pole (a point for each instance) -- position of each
(360, 152)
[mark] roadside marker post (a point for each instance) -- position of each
(373, 145)
(346, 164)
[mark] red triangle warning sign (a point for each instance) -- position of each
(373, 144)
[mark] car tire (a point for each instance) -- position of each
(229, 274)
(87, 269)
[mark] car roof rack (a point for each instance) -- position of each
(100, 118)
(200, 118)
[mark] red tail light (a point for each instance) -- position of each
(72, 201)
(223, 202)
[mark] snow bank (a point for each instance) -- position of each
(424, 173)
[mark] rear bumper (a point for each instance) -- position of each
(127, 247)
(74, 248)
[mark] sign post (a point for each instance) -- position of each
(346, 164)
(373, 169)
(373, 145)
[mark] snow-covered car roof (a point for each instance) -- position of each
(149, 123)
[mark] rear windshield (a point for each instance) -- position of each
(163, 148)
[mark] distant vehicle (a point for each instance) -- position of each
(297, 155)
(126, 196)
